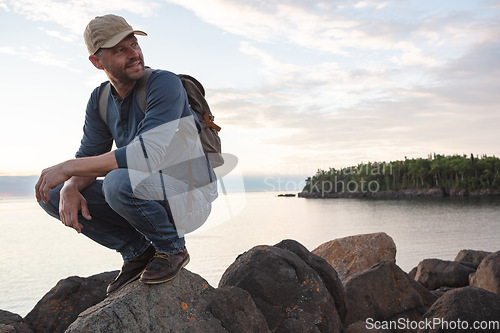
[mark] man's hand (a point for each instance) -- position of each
(50, 178)
(70, 203)
(85, 167)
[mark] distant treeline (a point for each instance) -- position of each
(460, 172)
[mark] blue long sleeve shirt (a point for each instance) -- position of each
(160, 148)
(166, 102)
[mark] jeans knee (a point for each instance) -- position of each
(116, 184)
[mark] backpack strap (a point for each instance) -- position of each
(103, 100)
(140, 90)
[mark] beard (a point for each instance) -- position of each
(133, 70)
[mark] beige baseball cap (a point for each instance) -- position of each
(107, 31)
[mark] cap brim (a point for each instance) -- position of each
(118, 38)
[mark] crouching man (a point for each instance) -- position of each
(158, 184)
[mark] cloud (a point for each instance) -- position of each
(314, 89)
(376, 4)
(340, 116)
(274, 71)
(39, 55)
(412, 56)
(318, 27)
(73, 15)
(412, 36)
(65, 20)
(340, 82)
(4, 6)
(60, 35)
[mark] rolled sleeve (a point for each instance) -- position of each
(121, 157)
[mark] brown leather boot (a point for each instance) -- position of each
(131, 270)
(164, 267)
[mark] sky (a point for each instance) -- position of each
(296, 85)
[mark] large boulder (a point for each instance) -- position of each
(355, 254)
(325, 271)
(471, 258)
(186, 304)
(62, 304)
(290, 294)
(12, 323)
(487, 275)
(460, 309)
(363, 326)
(436, 273)
(441, 291)
(385, 292)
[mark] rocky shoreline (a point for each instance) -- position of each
(351, 284)
(401, 194)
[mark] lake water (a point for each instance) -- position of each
(37, 250)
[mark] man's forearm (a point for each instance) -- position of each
(94, 166)
(80, 183)
(81, 167)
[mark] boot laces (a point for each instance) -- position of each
(162, 255)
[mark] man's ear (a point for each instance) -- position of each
(95, 61)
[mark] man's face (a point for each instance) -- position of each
(123, 62)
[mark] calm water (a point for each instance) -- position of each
(37, 251)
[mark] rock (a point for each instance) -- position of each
(441, 291)
(325, 271)
(12, 323)
(487, 275)
(463, 307)
(435, 273)
(457, 193)
(363, 327)
(62, 304)
(289, 293)
(236, 310)
(185, 304)
(412, 273)
(355, 254)
(471, 258)
(388, 194)
(385, 292)
(479, 193)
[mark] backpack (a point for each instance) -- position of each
(209, 134)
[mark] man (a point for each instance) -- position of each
(136, 210)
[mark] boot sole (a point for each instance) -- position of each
(158, 281)
(135, 278)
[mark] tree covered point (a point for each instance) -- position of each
(459, 172)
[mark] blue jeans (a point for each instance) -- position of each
(120, 220)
